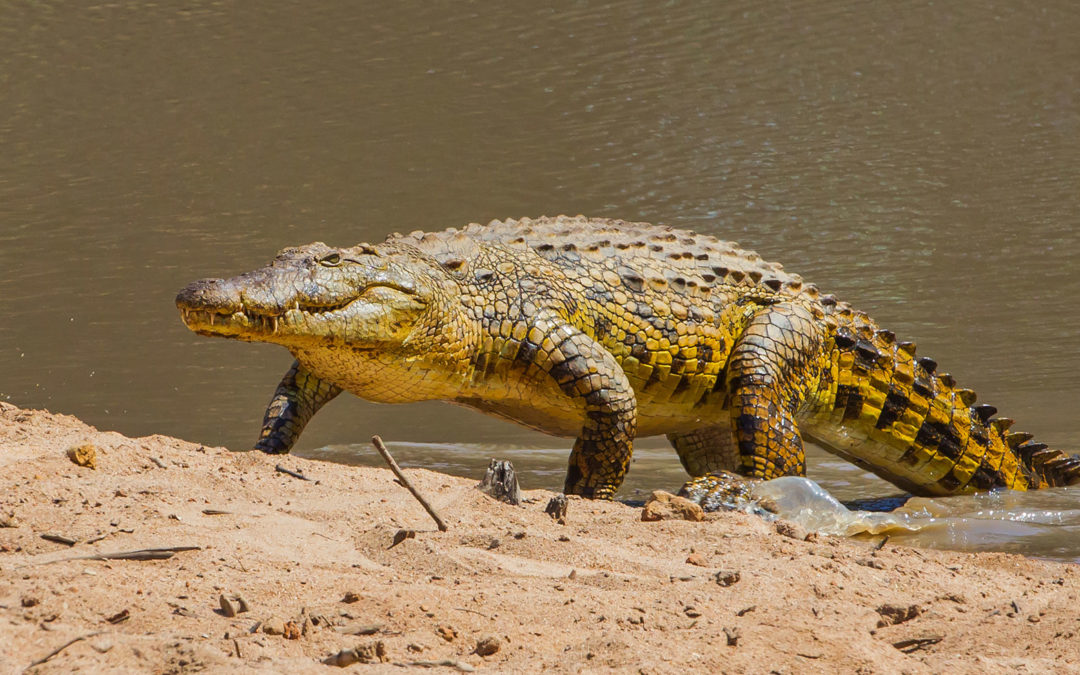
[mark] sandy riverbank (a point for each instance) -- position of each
(603, 592)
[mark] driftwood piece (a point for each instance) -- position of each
(501, 482)
(378, 443)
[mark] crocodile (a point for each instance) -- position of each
(606, 330)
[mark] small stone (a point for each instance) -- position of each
(556, 508)
(691, 612)
(696, 559)
(727, 577)
(83, 455)
(666, 506)
(350, 597)
(359, 628)
(446, 632)
(572, 575)
(227, 607)
(342, 659)
(291, 631)
(402, 535)
(9, 520)
(30, 601)
(494, 543)
(273, 626)
(101, 646)
(733, 636)
(790, 529)
(487, 646)
(896, 614)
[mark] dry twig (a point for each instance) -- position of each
(141, 554)
(62, 648)
(289, 472)
(378, 443)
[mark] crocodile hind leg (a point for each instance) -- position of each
(298, 397)
(775, 361)
(703, 451)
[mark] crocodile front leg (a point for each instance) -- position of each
(584, 369)
(297, 399)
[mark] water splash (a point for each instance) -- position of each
(1043, 524)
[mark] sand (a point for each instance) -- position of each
(505, 589)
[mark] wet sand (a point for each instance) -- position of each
(505, 589)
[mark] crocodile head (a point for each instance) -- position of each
(314, 297)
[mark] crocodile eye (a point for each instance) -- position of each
(330, 260)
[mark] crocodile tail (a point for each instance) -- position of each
(915, 426)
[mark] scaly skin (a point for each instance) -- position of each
(607, 330)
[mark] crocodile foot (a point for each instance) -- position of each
(724, 491)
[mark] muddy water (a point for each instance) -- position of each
(920, 160)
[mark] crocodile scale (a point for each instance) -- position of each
(606, 330)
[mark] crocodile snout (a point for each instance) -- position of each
(215, 295)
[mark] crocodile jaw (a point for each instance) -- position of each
(244, 325)
(379, 316)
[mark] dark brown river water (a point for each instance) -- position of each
(921, 160)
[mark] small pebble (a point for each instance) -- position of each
(666, 506)
(790, 529)
(696, 559)
(227, 607)
(83, 455)
(487, 646)
(727, 577)
(733, 636)
(446, 632)
(273, 626)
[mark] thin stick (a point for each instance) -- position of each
(60, 539)
(141, 554)
(61, 648)
(472, 611)
(294, 474)
(377, 442)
